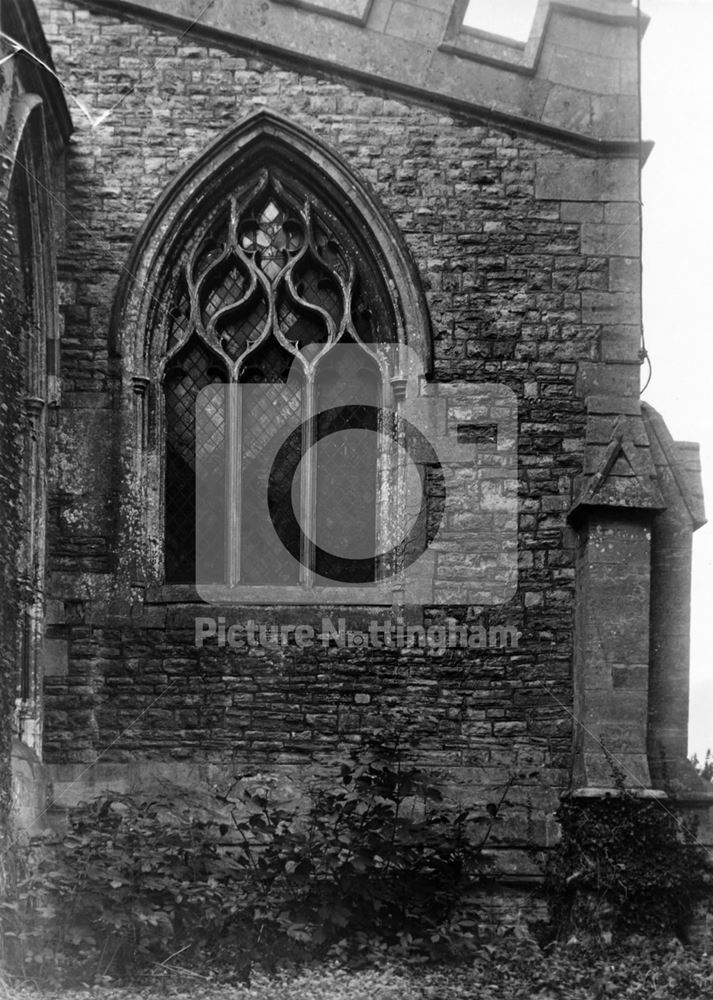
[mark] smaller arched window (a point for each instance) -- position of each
(272, 301)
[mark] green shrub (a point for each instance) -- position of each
(379, 858)
(704, 767)
(376, 862)
(126, 882)
(625, 865)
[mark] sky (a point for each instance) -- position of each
(677, 195)
(677, 101)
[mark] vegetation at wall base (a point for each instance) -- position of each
(625, 864)
(504, 969)
(376, 863)
(374, 871)
(704, 767)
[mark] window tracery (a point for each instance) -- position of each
(270, 283)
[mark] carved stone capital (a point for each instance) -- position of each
(399, 384)
(34, 405)
(33, 410)
(140, 383)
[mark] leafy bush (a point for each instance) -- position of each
(125, 882)
(624, 864)
(704, 767)
(379, 858)
(376, 862)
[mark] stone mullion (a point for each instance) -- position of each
(308, 485)
(234, 446)
(398, 470)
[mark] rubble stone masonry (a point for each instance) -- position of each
(512, 175)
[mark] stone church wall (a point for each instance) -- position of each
(526, 244)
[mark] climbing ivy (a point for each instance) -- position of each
(12, 376)
(624, 865)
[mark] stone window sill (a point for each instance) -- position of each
(383, 596)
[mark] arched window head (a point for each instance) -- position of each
(262, 265)
(273, 261)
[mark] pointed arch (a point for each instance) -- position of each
(265, 256)
(261, 142)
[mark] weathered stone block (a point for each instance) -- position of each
(579, 179)
(610, 239)
(55, 658)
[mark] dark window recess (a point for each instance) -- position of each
(346, 462)
(273, 277)
(193, 369)
(269, 414)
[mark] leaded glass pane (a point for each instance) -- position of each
(271, 279)
(270, 238)
(271, 410)
(191, 370)
(346, 463)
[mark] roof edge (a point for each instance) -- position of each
(436, 86)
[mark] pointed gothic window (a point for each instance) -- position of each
(261, 302)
